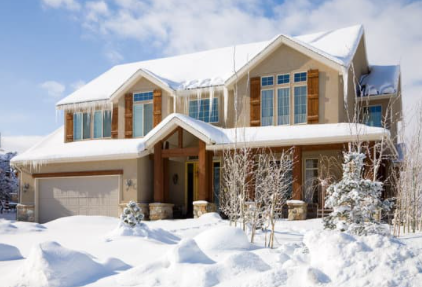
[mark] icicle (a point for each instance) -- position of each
(211, 91)
(199, 95)
(226, 103)
(174, 103)
(345, 72)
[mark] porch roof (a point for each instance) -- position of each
(53, 149)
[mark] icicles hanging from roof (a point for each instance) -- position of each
(86, 106)
(211, 91)
(345, 72)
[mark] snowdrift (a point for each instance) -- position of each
(9, 252)
(7, 226)
(223, 238)
(142, 230)
(50, 264)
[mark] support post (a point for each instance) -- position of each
(203, 176)
(158, 173)
(297, 173)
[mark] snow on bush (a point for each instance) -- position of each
(8, 180)
(50, 264)
(223, 238)
(9, 252)
(354, 200)
(132, 214)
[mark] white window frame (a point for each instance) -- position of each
(279, 87)
(299, 83)
(82, 127)
(102, 124)
(284, 84)
(209, 99)
(145, 102)
(274, 106)
(268, 76)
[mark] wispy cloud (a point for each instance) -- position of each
(77, 85)
(113, 56)
(54, 89)
(72, 5)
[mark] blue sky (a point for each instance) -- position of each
(50, 47)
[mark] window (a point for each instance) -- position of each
(86, 126)
(311, 181)
(267, 81)
(102, 124)
(267, 107)
(283, 79)
(200, 110)
(283, 106)
(142, 113)
(300, 77)
(300, 104)
(373, 116)
(216, 180)
(81, 126)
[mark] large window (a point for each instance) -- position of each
(102, 124)
(81, 126)
(283, 106)
(300, 103)
(200, 110)
(142, 113)
(267, 107)
(311, 181)
(373, 116)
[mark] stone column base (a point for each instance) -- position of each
(143, 206)
(201, 207)
(159, 211)
(25, 212)
(297, 209)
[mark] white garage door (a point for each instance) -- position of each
(59, 197)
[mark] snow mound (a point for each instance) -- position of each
(9, 252)
(336, 257)
(187, 251)
(142, 230)
(50, 264)
(210, 217)
(7, 226)
(223, 238)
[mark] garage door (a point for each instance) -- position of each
(59, 197)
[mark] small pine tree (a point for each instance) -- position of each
(132, 214)
(354, 200)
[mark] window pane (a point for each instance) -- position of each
(300, 77)
(267, 81)
(98, 124)
(138, 120)
(200, 110)
(283, 79)
(77, 126)
(107, 124)
(214, 113)
(87, 126)
(142, 97)
(283, 109)
(373, 116)
(147, 118)
(267, 108)
(300, 105)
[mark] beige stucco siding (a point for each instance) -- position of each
(287, 60)
(145, 171)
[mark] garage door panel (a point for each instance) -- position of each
(60, 197)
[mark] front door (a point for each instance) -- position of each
(191, 186)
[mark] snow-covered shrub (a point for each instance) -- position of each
(132, 214)
(355, 200)
(8, 180)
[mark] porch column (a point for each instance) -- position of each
(297, 173)
(158, 173)
(203, 172)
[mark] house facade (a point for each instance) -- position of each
(154, 132)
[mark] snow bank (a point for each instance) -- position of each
(9, 252)
(142, 230)
(187, 251)
(223, 238)
(7, 226)
(50, 264)
(210, 217)
(341, 258)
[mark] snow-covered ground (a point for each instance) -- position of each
(96, 251)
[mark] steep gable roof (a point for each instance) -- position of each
(214, 68)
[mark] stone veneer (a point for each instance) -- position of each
(25, 212)
(201, 207)
(159, 211)
(297, 209)
(143, 206)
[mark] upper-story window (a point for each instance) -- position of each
(81, 126)
(142, 113)
(283, 79)
(267, 107)
(200, 110)
(267, 81)
(373, 116)
(300, 77)
(102, 124)
(283, 106)
(300, 101)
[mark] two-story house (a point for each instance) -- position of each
(154, 131)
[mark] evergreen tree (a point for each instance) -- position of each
(132, 214)
(354, 200)
(8, 180)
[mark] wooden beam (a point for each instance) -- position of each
(78, 173)
(158, 173)
(203, 178)
(166, 190)
(297, 173)
(209, 173)
(180, 134)
(180, 152)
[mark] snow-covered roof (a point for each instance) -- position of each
(53, 149)
(211, 68)
(381, 80)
